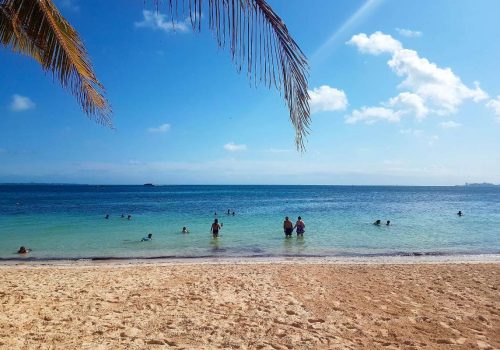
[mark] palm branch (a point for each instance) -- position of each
(258, 39)
(37, 29)
(255, 34)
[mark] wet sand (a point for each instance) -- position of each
(251, 306)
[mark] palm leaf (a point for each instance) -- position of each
(258, 39)
(37, 29)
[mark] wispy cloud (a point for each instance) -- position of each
(160, 129)
(327, 99)
(419, 134)
(409, 33)
(233, 147)
(21, 103)
(429, 89)
(71, 5)
(449, 125)
(159, 21)
(494, 104)
(370, 115)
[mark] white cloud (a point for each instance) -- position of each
(411, 102)
(160, 129)
(427, 88)
(371, 115)
(375, 44)
(419, 134)
(409, 33)
(326, 98)
(494, 104)
(440, 88)
(71, 5)
(232, 147)
(432, 140)
(157, 21)
(414, 132)
(449, 125)
(21, 103)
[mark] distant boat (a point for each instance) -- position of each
(149, 185)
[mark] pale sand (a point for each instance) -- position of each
(251, 306)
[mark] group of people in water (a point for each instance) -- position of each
(378, 222)
(122, 216)
(289, 227)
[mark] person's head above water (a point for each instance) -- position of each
(388, 222)
(150, 235)
(22, 250)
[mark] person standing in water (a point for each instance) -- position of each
(300, 226)
(215, 228)
(287, 227)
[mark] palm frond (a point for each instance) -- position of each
(37, 29)
(258, 39)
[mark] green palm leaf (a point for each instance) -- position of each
(258, 39)
(37, 29)
(256, 36)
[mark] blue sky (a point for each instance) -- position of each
(403, 92)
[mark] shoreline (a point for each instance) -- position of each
(302, 260)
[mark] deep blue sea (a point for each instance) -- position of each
(68, 221)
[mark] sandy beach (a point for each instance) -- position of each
(251, 306)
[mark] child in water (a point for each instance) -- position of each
(148, 238)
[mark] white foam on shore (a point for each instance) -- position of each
(373, 260)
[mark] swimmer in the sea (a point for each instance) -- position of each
(215, 228)
(388, 223)
(460, 213)
(23, 250)
(107, 216)
(129, 217)
(377, 223)
(287, 227)
(300, 226)
(185, 230)
(148, 238)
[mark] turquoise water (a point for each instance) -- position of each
(68, 221)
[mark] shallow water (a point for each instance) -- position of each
(68, 221)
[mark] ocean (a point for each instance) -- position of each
(68, 221)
